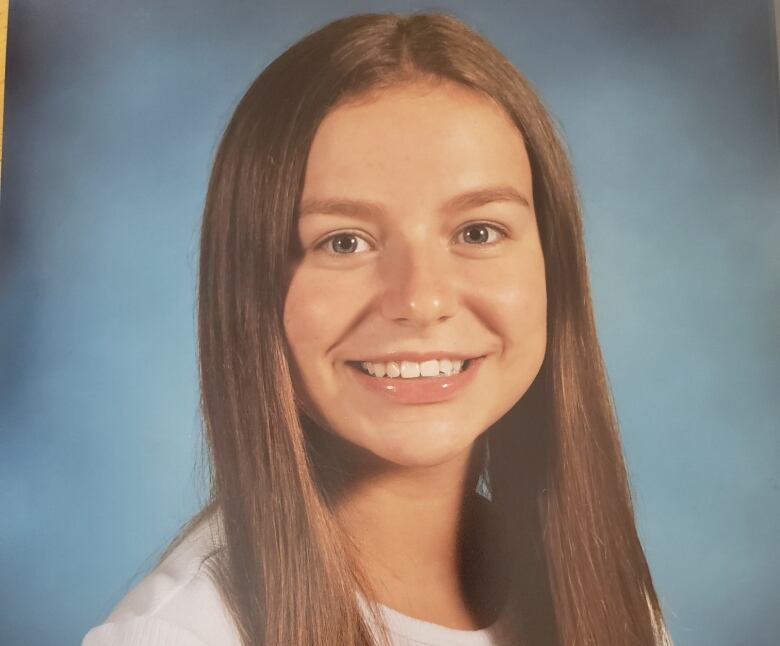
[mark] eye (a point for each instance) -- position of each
(481, 233)
(343, 244)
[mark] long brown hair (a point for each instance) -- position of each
(556, 468)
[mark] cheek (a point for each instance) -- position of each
(304, 316)
(317, 311)
(511, 298)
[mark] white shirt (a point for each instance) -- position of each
(177, 604)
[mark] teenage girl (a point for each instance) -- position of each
(410, 431)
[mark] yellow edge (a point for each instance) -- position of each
(3, 41)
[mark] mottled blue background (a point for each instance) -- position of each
(113, 114)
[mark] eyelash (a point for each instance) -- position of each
(500, 230)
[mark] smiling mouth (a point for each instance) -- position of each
(413, 383)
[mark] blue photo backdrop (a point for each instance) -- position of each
(114, 109)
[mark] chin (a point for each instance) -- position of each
(415, 447)
(431, 458)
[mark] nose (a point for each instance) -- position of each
(419, 286)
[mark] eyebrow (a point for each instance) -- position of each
(461, 202)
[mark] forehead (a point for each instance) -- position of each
(419, 141)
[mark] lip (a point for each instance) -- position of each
(420, 390)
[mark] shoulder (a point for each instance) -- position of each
(176, 604)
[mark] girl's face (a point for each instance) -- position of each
(421, 250)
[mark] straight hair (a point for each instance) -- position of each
(557, 476)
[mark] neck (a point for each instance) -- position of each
(414, 532)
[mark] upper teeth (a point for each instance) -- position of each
(412, 369)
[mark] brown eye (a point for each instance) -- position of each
(480, 234)
(343, 244)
